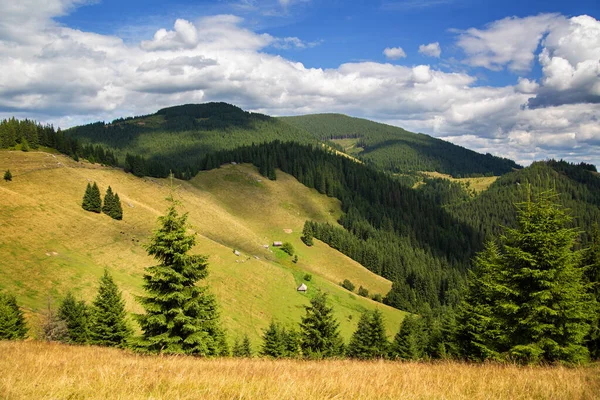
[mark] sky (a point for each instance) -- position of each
(518, 79)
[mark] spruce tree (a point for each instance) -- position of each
(12, 321)
(274, 341)
(180, 316)
(95, 201)
(408, 344)
(242, 348)
(117, 208)
(75, 315)
(7, 175)
(528, 302)
(108, 206)
(319, 331)
(307, 234)
(369, 340)
(592, 278)
(87, 203)
(108, 325)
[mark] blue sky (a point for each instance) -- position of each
(516, 78)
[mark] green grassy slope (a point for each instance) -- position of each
(51, 245)
(397, 150)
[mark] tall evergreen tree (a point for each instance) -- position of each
(95, 201)
(408, 343)
(531, 294)
(180, 316)
(117, 208)
(87, 203)
(109, 202)
(274, 341)
(319, 330)
(307, 233)
(75, 315)
(592, 276)
(12, 321)
(242, 348)
(108, 325)
(369, 340)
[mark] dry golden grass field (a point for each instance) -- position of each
(38, 370)
(49, 244)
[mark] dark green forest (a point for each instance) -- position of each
(396, 150)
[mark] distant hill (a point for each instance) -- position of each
(178, 137)
(397, 150)
(51, 245)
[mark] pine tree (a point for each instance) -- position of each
(369, 340)
(87, 203)
(75, 315)
(528, 301)
(117, 208)
(108, 207)
(408, 344)
(24, 145)
(95, 201)
(319, 331)
(273, 341)
(180, 316)
(592, 277)
(12, 321)
(307, 233)
(108, 325)
(243, 348)
(7, 175)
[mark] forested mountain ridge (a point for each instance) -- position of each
(397, 150)
(175, 138)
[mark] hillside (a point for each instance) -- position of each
(178, 137)
(54, 245)
(397, 150)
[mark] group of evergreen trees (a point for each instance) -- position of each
(93, 202)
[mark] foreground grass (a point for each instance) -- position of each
(45, 370)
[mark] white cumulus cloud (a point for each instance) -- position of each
(431, 49)
(394, 53)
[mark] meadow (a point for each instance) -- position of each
(51, 245)
(40, 370)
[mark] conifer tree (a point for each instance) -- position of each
(307, 233)
(7, 175)
(75, 315)
(530, 297)
(108, 207)
(592, 277)
(12, 321)
(274, 341)
(86, 204)
(117, 208)
(180, 316)
(94, 201)
(408, 344)
(369, 340)
(242, 348)
(108, 325)
(319, 330)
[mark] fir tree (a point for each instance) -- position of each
(24, 145)
(274, 341)
(592, 277)
(7, 175)
(91, 199)
(117, 208)
(307, 234)
(369, 340)
(75, 315)
(180, 316)
(242, 348)
(530, 297)
(408, 344)
(319, 331)
(109, 202)
(108, 325)
(12, 321)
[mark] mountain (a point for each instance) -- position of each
(396, 150)
(178, 138)
(51, 245)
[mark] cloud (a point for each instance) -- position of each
(431, 49)
(510, 42)
(65, 76)
(394, 53)
(570, 62)
(407, 5)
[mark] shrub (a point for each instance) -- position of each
(288, 248)
(348, 285)
(364, 292)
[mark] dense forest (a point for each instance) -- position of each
(396, 150)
